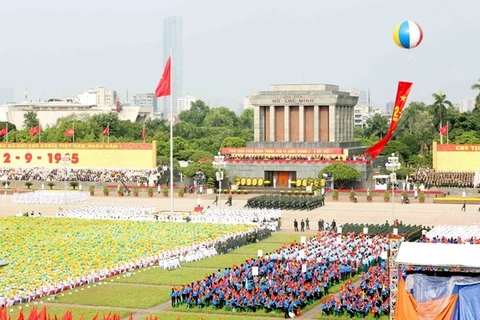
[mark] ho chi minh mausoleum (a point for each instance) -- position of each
(298, 130)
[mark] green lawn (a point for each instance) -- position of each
(189, 316)
(176, 277)
(111, 295)
(221, 261)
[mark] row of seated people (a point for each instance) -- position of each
(451, 240)
(370, 297)
(74, 174)
(446, 179)
(230, 157)
(287, 279)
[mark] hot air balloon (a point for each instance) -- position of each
(407, 34)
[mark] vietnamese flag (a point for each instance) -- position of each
(69, 132)
(43, 314)
(4, 131)
(444, 130)
(164, 85)
(402, 94)
(34, 131)
(105, 131)
(144, 133)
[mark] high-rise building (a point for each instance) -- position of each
(389, 107)
(7, 95)
(98, 96)
(145, 100)
(184, 103)
(173, 39)
(467, 104)
(246, 103)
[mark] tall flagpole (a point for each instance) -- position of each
(39, 133)
(7, 130)
(108, 133)
(73, 131)
(171, 135)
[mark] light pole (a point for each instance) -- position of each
(393, 165)
(65, 161)
(219, 163)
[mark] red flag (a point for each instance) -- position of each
(402, 95)
(444, 130)
(105, 131)
(33, 314)
(96, 317)
(3, 313)
(34, 131)
(163, 87)
(69, 132)
(4, 131)
(43, 314)
(144, 133)
(20, 315)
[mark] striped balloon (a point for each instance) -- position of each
(407, 34)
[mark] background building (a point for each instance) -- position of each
(185, 102)
(389, 107)
(99, 96)
(247, 104)
(173, 39)
(467, 104)
(145, 100)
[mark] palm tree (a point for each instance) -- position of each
(476, 86)
(440, 108)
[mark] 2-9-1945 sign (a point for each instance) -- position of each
(81, 155)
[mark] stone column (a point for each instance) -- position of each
(286, 115)
(257, 118)
(341, 126)
(273, 130)
(332, 123)
(316, 124)
(301, 124)
(344, 126)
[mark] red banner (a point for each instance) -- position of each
(402, 95)
(458, 147)
(282, 151)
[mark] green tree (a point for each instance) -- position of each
(234, 142)
(377, 126)
(476, 86)
(439, 108)
(196, 114)
(220, 117)
(30, 120)
(341, 173)
(200, 155)
(246, 119)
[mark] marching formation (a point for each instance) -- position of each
(50, 197)
(286, 202)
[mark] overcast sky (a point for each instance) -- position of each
(233, 48)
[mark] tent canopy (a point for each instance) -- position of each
(439, 255)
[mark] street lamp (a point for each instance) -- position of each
(65, 161)
(219, 163)
(393, 165)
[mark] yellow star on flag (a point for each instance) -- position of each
(403, 98)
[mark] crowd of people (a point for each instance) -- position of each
(50, 197)
(288, 278)
(370, 297)
(431, 178)
(354, 158)
(110, 212)
(64, 253)
(452, 234)
(74, 174)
